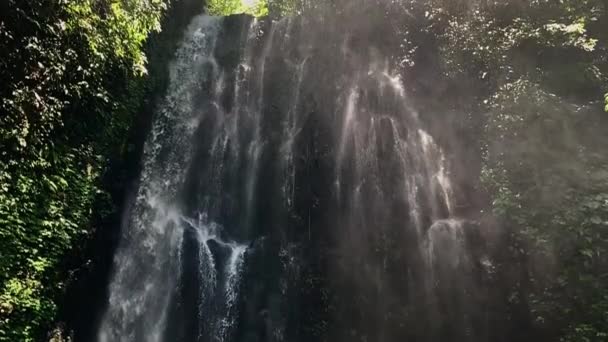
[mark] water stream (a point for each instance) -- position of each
(291, 192)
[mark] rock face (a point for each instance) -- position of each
(291, 192)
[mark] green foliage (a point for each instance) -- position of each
(41, 217)
(118, 30)
(545, 165)
(256, 8)
(503, 41)
(70, 88)
(542, 67)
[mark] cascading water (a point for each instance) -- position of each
(290, 192)
(149, 262)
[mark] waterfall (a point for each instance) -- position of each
(288, 175)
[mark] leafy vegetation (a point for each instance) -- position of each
(72, 79)
(546, 167)
(256, 8)
(541, 70)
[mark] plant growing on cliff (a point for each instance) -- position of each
(66, 67)
(540, 72)
(256, 8)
